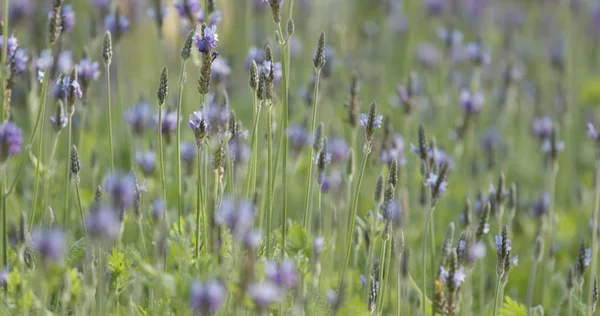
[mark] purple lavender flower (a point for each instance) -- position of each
(4, 276)
(394, 150)
(121, 190)
(185, 8)
(256, 54)
(146, 161)
(220, 69)
(478, 54)
(214, 19)
(252, 239)
(428, 55)
(542, 127)
(139, 117)
(49, 244)
(43, 63)
(298, 137)
(207, 41)
(591, 132)
(339, 149)
(363, 280)
(68, 18)
(188, 155)
(391, 212)
(435, 7)
(588, 258)
(236, 215)
(110, 24)
(239, 151)
(88, 70)
(64, 62)
(458, 278)
(364, 120)
(11, 45)
(19, 61)
(158, 209)
(20, 9)
(541, 207)
(103, 223)
(101, 4)
(282, 273)
(499, 244)
(318, 245)
(216, 116)
(10, 140)
(478, 250)
(169, 123)
(265, 294)
(471, 103)
(548, 147)
(432, 180)
(199, 125)
(59, 120)
(206, 298)
(153, 15)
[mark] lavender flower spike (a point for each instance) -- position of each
(206, 298)
(10, 140)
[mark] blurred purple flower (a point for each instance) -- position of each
(471, 103)
(393, 150)
(49, 244)
(103, 223)
(541, 207)
(158, 209)
(282, 273)
(339, 149)
(298, 137)
(19, 61)
(139, 117)
(64, 62)
(121, 190)
(428, 55)
(11, 45)
(188, 155)
(68, 18)
(116, 27)
(10, 140)
(185, 8)
(206, 298)
(238, 216)
(458, 278)
(318, 245)
(59, 120)
(101, 4)
(435, 7)
(542, 127)
(146, 161)
(169, 123)
(220, 69)
(88, 70)
(43, 62)
(265, 294)
(20, 9)
(431, 181)
(239, 151)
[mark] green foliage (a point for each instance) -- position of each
(121, 269)
(512, 308)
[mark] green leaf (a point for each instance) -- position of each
(512, 308)
(298, 240)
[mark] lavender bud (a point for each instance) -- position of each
(448, 241)
(319, 137)
(484, 226)
(571, 278)
(54, 23)
(371, 121)
(503, 248)
(218, 158)
(22, 229)
(583, 260)
(275, 9)
(268, 54)
(319, 58)
(423, 151)
(352, 105)
(75, 163)
(290, 27)
(461, 247)
(253, 76)
(467, 213)
(500, 192)
(163, 89)
(350, 164)
(74, 91)
(374, 287)
(107, 50)
(393, 176)
(378, 194)
(59, 120)
(538, 249)
(186, 51)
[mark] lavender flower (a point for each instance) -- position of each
(338, 149)
(478, 54)
(471, 103)
(4, 276)
(139, 117)
(187, 8)
(428, 55)
(592, 133)
(371, 121)
(252, 239)
(207, 41)
(10, 140)
(103, 223)
(20, 9)
(158, 209)
(43, 62)
(121, 190)
(68, 18)
(59, 120)
(206, 298)
(116, 27)
(88, 71)
(433, 180)
(264, 294)
(146, 161)
(239, 152)
(393, 150)
(169, 123)
(298, 137)
(282, 273)
(101, 4)
(11, 45)
(541, 127)
(50, 244)
(318, 245)
(220, 69)
(64, 62)
(19, 61)
(236, 215)
(457, 279)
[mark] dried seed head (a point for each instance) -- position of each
(422, 143)
(253, 76)
(378, 194)
(538, 249)
(461, 247)
(319, 137)
(290, 27)
(484, 226)
(319, 58)
(393, 176)
(448, 242)
(163, 87)
(350, 164)
(107, 50)
(75, 164)
(186, 50)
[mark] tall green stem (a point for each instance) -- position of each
(285, 63)
(67, 173)
(109, 108)
(81, 209)
(310, 161)
(178, 146)
(46, 178)
(251, 169)
(426, 229)
(352, 220)
(530, 288)
(161, 157)
(39, 157)
(382, 268)
(594, 238)
(497, 295)
(3, 56)
(199, 209)
(269, 176)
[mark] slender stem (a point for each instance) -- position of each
(269, 177)
(110, 135)
(310, 157)
(250, 179)
(285, 63)
(178, 146)
(46, 178)
(67, 173)
(382, 275)
(426, 227)
(3, 56)
(142, 236)
(208, 242)
(199, 208)
(38, 160)
(570, 302)
(366, 152)
(594, 238)
(4, 226)
(498, 286)
(481, 286)
(549, 230)
(161, 155)
(80, 208)
(530, 288)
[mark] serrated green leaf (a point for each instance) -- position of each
(512, 308)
